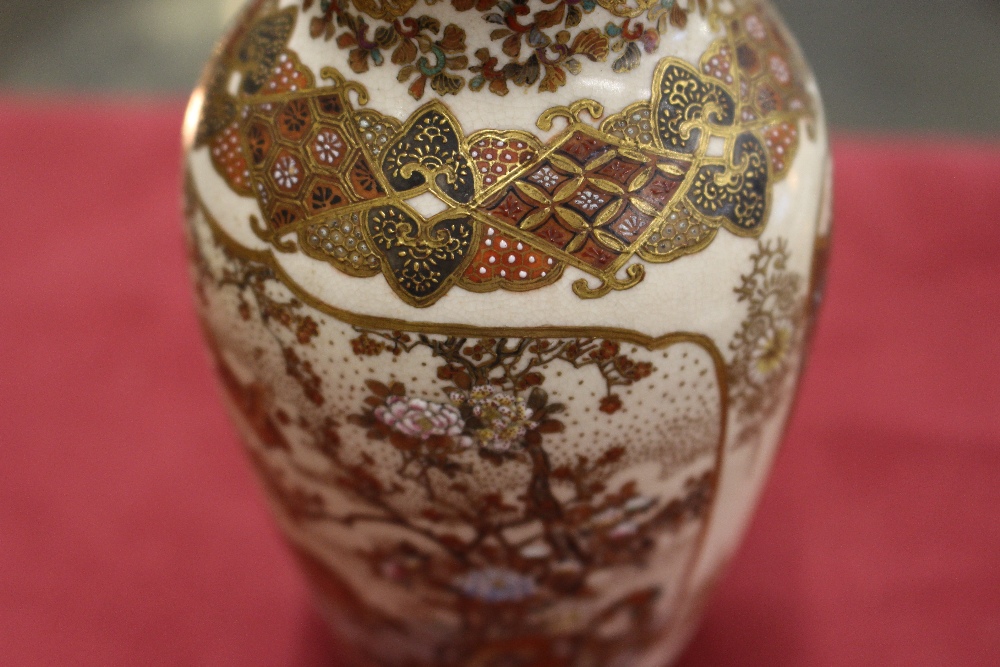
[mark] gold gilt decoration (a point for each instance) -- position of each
(384, 9)
(766, 349)
(654, 182)
(423, 260)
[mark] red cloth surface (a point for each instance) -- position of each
(131, 531)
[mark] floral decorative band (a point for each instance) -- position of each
(654, 182)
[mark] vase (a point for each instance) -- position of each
(509, 301)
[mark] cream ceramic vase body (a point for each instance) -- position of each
(509, 301)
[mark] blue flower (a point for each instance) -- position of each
(496, 585)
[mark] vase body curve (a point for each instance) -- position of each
(509, 301)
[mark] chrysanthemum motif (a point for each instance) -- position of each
(769, 353)
(263, 194)
(589, 201)
(504, 418)
(546, 177)
(496, 585)
(755, 26)
(780, 69)
(287, 172)
(418, 418)
(329, 147)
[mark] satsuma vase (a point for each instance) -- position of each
(509, 301)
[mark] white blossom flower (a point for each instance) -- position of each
(329, 147)
(505, 418)
(287, 172)
(536, 551)
(639, 504)
(589, 201)
(624, 530)
(756, 27)
(770, 353)
(546, 177)
(780, 69)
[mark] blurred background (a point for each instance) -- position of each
(913, 66)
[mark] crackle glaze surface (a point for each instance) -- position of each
(509, 300)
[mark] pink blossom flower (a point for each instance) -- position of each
(418, 418)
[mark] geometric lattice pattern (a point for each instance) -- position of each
(605, 195)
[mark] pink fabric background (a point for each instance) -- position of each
(131, 532)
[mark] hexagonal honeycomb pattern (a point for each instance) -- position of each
(299, 152)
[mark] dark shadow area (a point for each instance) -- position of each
(915, 65)
(317, 648)
(758, 632)
(922, 65)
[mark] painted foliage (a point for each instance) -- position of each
(527, 495)
(766, 349)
